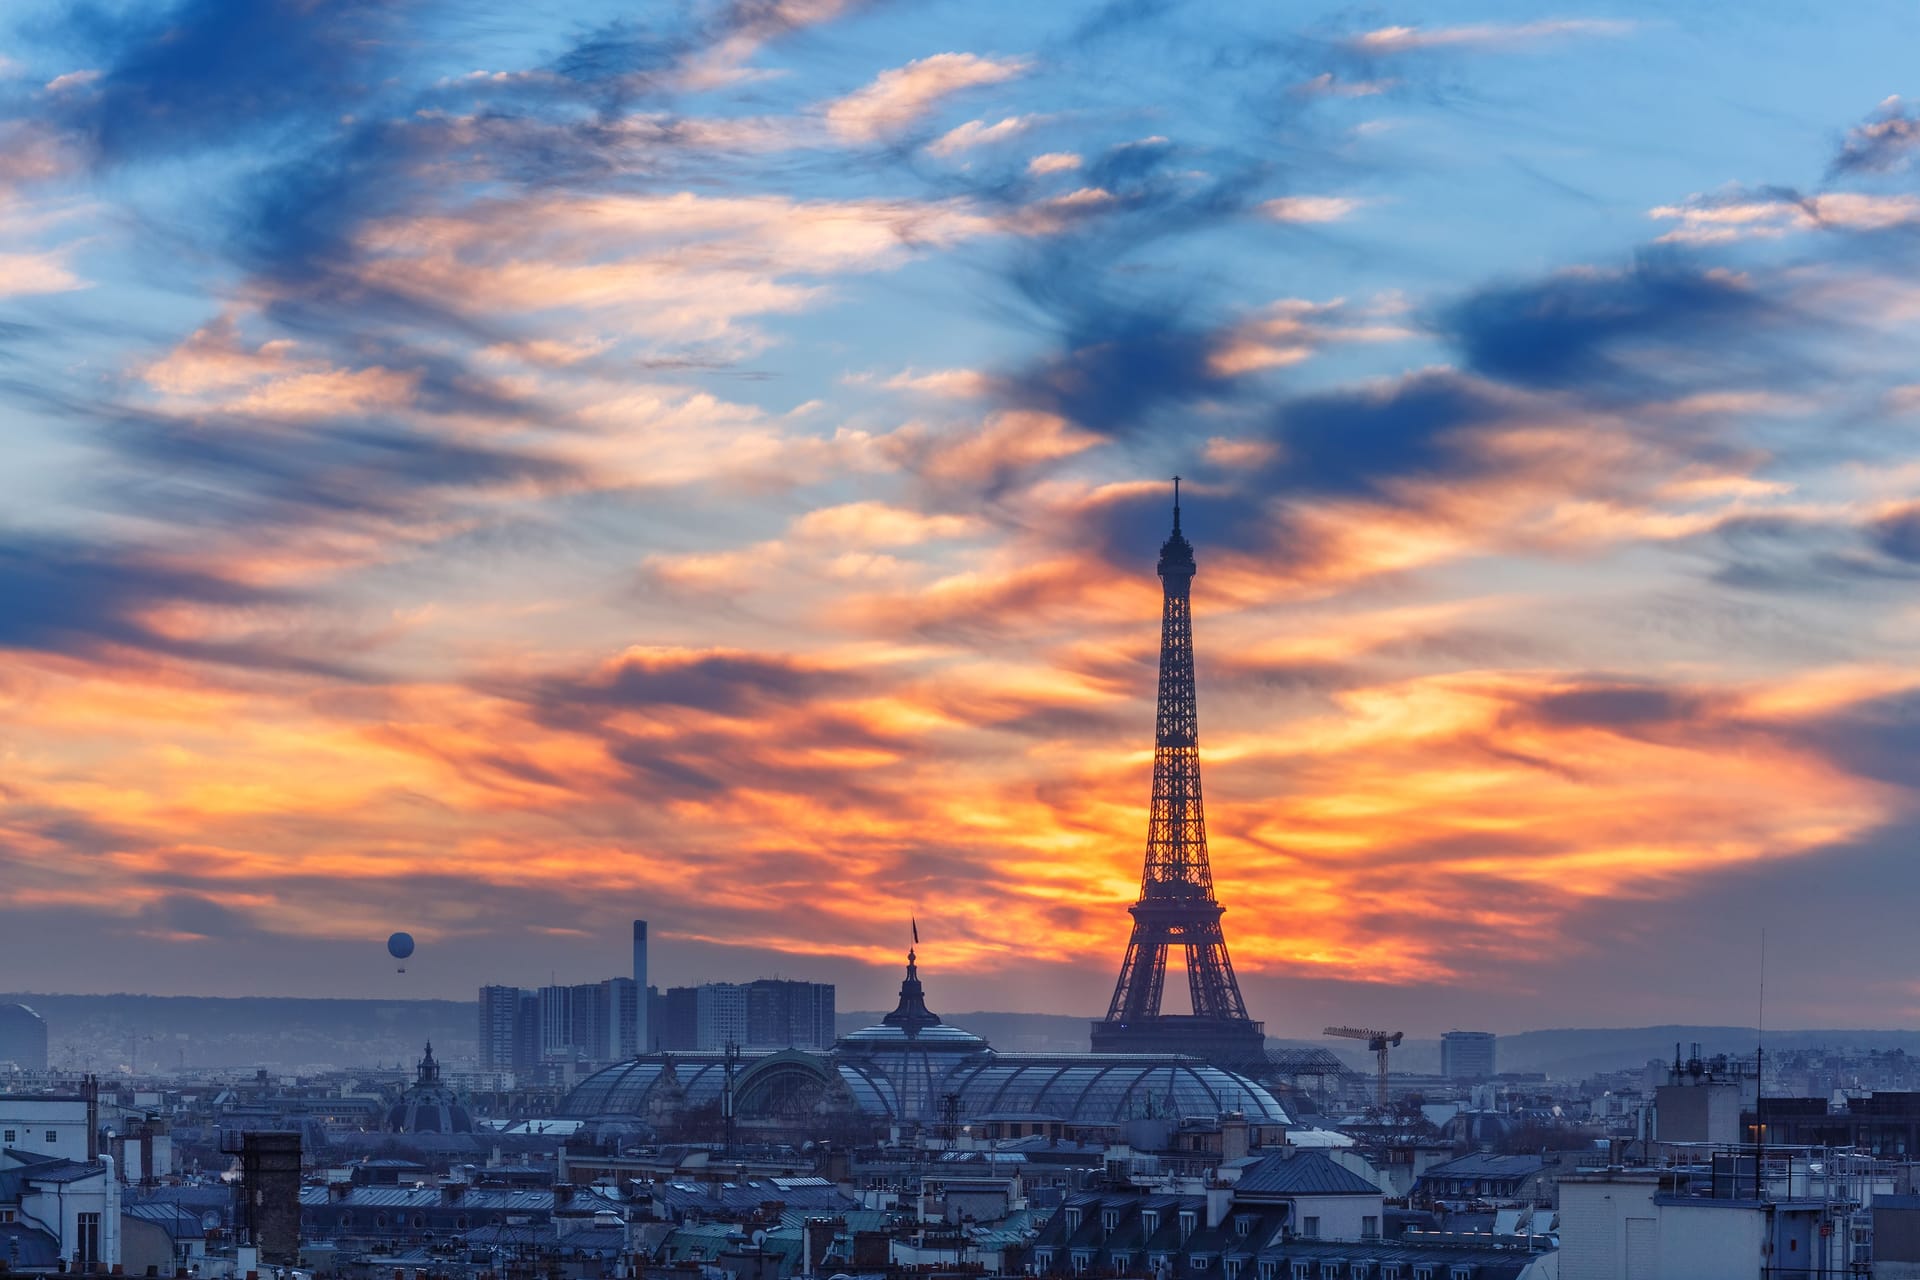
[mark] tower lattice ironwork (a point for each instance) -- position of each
(1177, 907)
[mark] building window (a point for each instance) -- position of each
(1110, 1220)
(86, 1245)
(6, 1215)
(1369, 1228)
(11, 1136)
(1310, 1228)
(1269, 1269)
(1150, 1220)
(1232, 1267)
(52, 1136)
(1187, 1221)
(1073, 1221)
(1198, 1262)
(1241, 1226)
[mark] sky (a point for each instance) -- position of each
(498, 471)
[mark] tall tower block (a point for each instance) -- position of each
(642, 1037)
(1177, 907)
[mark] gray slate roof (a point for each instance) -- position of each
(1482, 1165)
(1307, 1174)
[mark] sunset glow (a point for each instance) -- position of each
(500, 476)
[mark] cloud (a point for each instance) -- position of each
(956, 384)
(877, 524)
(1290, 331)
(1486, 35)
(682, 268)
(1358, 441)
(1328, 85)
(1884, 142)
(720, 682)
(89, 600)
(978, 133)
(207, 72)
(899, 97)
(1771, 212)
(1310, 208)
(1613, 331)
(22, 274)
(1897, 533)
(1054, 162)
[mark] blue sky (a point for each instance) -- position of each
(497, 472)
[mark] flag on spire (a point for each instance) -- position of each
(915, 925)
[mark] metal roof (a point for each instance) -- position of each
(1306, 1174)
(1482, 1165)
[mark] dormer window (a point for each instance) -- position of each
(1187, 1222)
(1150, 1220)
(1242, 1227)
(1073, 1220)
(1109, 1219)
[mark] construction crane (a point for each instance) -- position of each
(1379, 1042)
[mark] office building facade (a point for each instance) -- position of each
(1467, 1055)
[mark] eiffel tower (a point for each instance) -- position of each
(1177, 906)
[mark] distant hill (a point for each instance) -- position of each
(1559, 1053)
(112, 1032)
(1566, 1054)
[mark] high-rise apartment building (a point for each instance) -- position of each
(1467, 1055)
(642, 1035)
(620, 1008)
(509, 1029)
(769, 1013)
(556, 1023)
(720, 1016)
(673, 1020)
(783, 1014)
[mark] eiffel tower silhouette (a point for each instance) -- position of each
(1177, 907)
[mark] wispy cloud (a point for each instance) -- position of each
(898, 98)
(1885, 141)
(978, 133)
(1485, 35)
(1310, 208)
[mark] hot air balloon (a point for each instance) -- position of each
(400, 946)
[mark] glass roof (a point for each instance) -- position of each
(1080, 1088)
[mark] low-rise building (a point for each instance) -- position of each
(57, 1214)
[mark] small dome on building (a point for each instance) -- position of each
(429, 1106)
(911, 1023)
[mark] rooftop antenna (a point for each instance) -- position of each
(1176, 504)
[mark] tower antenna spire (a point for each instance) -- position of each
(1176, 504)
